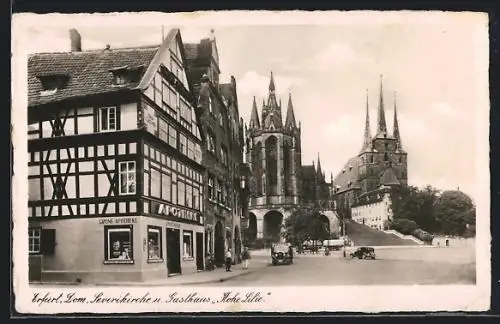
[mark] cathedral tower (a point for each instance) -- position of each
(382, 158)
(273, 152)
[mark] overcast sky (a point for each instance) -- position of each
(328, 68)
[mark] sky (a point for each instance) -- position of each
(431, 67)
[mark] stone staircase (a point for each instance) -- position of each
(363, 235)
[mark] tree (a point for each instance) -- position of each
(411, 203)
(404, 226)
(454, 211)
(305, 223)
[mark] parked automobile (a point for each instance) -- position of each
(281, 254)
(364, 253)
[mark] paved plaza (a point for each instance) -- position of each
(393, 266)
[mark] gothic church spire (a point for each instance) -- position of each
(381, 125)
(254, 118)
(368, 135)
(290, 116)
(395, 132)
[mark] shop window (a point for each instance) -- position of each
(127, 177)
(118, 244)
(107, 119)
(154, 244)
(188, 244)
(34, 236)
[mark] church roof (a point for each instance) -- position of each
(273, 117)
(348, 175)
(389, 178)
(308, 172)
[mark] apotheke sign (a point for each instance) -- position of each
(177, 212)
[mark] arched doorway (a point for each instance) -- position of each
(219, 244)
(325, 232)
(237, 244)
(250, 233)
(273, 221)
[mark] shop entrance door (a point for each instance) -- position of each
(199, 251)
(173, 251)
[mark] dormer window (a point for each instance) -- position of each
(52, 83)
(124, 74)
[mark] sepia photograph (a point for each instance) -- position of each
(229, 161)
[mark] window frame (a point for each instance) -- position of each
(191, 245)
(39, 230)
(157, 229)
(127, 172)
(108, 229)
(99, 119)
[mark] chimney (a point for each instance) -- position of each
(76, 40)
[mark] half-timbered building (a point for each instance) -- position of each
(115, 172)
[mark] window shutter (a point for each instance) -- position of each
(48, 241)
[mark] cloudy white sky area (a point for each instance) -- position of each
(329, 68)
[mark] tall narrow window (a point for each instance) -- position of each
(127, 177)
(188, 244)
(107, 119)
(210, 108)
(196, 198)
(181, 193)
(154, 243)
(264, 184)
(189, 196)
(210, 188)
(183, 144)
(34, 236)
(166, 185)
(219, 192)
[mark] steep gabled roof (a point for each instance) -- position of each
(307, 172)
(88, 72)
(348, 174)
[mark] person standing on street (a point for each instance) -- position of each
(245, 257)
(229, 260)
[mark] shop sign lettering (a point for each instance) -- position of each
(118, 220)
(177, 212)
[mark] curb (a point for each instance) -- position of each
(146, 284)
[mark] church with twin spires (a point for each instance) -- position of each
(381, 163)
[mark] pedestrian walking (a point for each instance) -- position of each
(245, 257)
(229, 260)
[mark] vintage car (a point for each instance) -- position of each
(281, 254)
(364, 253)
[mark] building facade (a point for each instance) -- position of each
(223, 154)
(116, 180)
(373, 209)
(382, 161)
(273, 153)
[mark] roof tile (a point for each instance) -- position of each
(88, 71)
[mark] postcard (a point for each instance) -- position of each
(251, 161)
